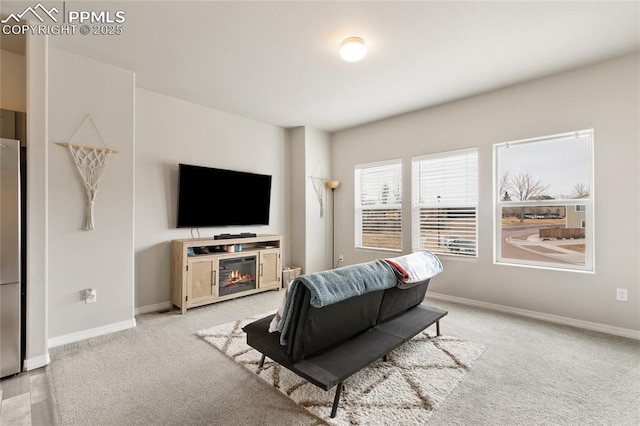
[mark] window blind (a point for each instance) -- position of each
(378, 205)
(445, 202)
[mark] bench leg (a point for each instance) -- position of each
(262, 361)
(336, 400)
(438, 328)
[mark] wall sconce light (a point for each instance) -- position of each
(353, 49)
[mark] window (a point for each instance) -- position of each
(544, 204)
(378, 209)
(445, 202)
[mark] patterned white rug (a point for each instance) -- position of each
(404, 390)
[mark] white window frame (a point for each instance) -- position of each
(587, 203)
(358, 207)
(458, 189)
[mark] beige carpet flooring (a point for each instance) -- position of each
(162, 373)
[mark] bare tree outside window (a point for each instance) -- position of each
(524, 186)
(503, 187)
(580, 190)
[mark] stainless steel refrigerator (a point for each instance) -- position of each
(10, 299)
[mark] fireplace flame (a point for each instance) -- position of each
(236, 277)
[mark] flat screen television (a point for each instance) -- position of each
(209, 197)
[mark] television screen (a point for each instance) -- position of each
(210, 197)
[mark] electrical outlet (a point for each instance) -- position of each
(90, 295)
(621, 294)
(341, 258)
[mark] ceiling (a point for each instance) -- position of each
(278, 62)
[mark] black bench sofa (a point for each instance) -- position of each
(327, 345)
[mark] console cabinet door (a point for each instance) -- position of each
(202, 275)
(270, 271)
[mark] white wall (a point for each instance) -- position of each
(171, 131)
(103, 258)
(310, 156)
(603, 96)
(37, 354)
(14, 81)
(298, 189)
(318, 162)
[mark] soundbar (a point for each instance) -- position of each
(232, 236)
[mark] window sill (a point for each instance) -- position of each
(546, 267)
(378, 250)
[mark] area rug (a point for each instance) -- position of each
(404, 390)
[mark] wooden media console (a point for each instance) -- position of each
(207, 270)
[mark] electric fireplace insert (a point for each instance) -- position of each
(237, 274)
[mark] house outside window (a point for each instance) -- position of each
(445, 203)
(544, 202)
(378, 206)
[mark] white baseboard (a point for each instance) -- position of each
(593, 326)
(36, 362)
(153, 308)
(92, 332)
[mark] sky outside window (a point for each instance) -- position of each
(559, 163)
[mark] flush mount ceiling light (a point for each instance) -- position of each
(352, 49)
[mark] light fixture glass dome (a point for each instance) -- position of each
(353, 49)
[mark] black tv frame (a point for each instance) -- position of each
(211, 197)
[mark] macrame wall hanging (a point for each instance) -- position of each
(319, 185)
(91, 163)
